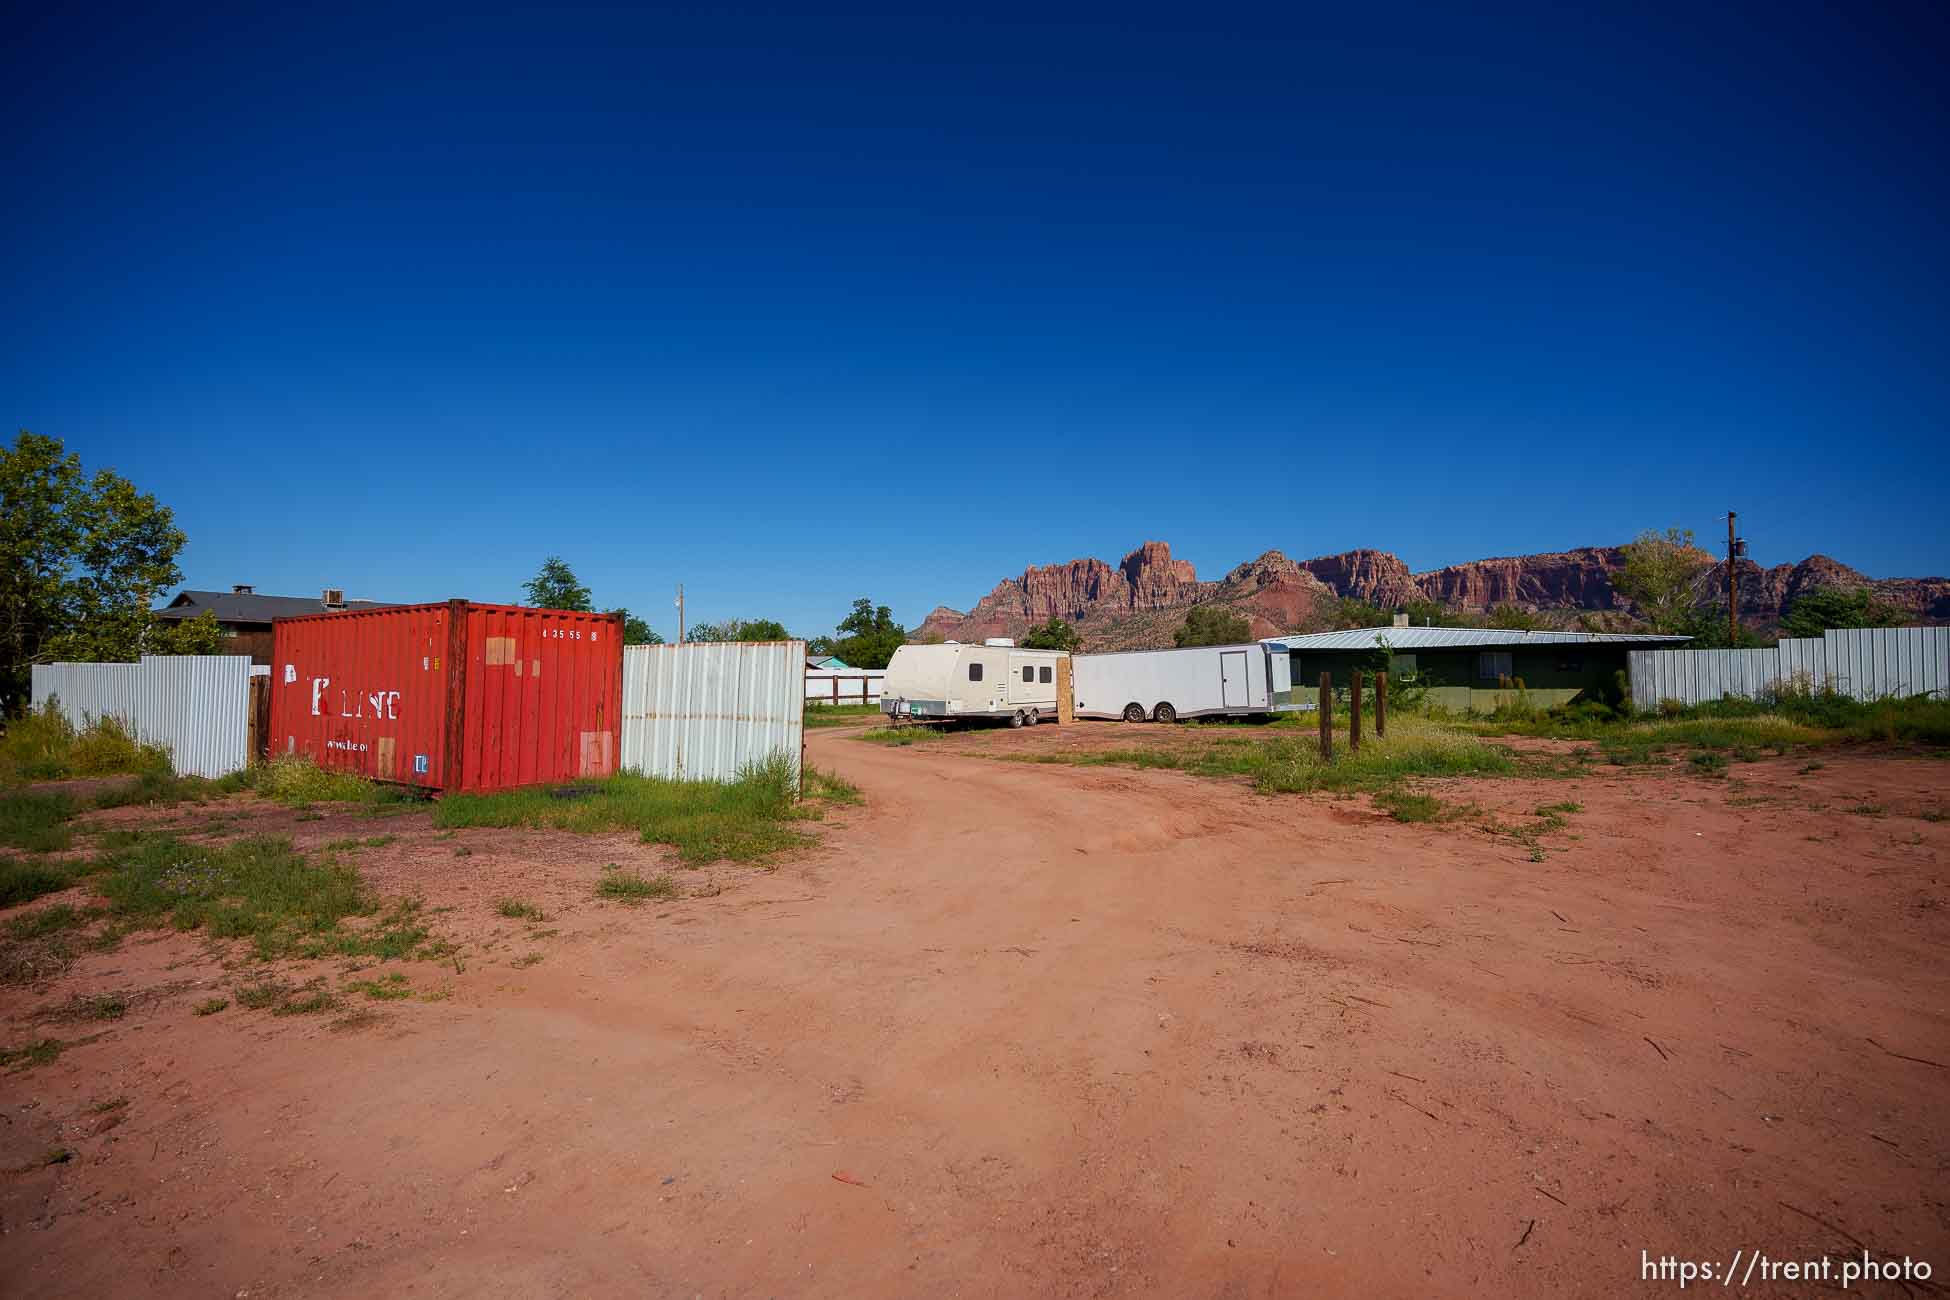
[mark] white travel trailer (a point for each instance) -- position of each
(937, 683)
(1196, 682)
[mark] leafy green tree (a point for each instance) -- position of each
(1212, 625)
(740, 629)
(1814, 612)
(637, 631)
(556, 587)
(1659, 576)
(868, 636)
(1358, 613)
(1512, 619)
(1053, 635)
(82, 558)
(1433, 613)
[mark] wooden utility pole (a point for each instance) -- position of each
(1380, 705)
(1354, 715)
(1733, 585)
(1327, 717)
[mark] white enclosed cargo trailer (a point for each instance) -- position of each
(1197, 682)
(938, 683)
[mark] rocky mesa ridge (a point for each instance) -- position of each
(1138, 602)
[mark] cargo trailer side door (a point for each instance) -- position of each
(1232, 680)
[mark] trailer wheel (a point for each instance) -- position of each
(1134, 713)
(1015, 719)
(1032, 718)
(1166, 713)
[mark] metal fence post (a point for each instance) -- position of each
(1326, 711)
(1380, 705)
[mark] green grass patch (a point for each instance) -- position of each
(743, 820)
(831, 787)
(631, 887)
(1281, 762)
(1787, 719)
(22, 880)
(1707, 763)
(394, 988)
(298, 781)
(42, 746)
(516, 910)
(210, 1006)
(1405, 806)
(840, 715)
(258, 889)
(914, 734)
(42, 1051)
(369, 842)
(52, 919)
(36, 823)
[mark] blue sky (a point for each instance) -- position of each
(794, 306)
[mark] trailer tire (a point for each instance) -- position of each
(1015, 719)
(1134, 712)
(1031, 718)
(1166, 713)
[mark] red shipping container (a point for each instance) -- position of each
(454, 696)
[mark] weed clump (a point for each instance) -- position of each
(743, 820)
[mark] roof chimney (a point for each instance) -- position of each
(1401, 620)
(243, 589)
(334, 598)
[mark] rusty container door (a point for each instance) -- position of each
(366, 691)
(541, 698)
(454, 696)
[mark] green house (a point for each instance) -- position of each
(1468, 669)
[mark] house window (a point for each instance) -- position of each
(1569, 663)
(1046, 676)
(1494, 665)
(974, 672)
(1029, 672)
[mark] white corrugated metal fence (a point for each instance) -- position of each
(1862, 663)
(706, 710)
(195, 706)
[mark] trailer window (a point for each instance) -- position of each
(1493, 665)
(1046, 676)
(974, 672)
(1029, 672)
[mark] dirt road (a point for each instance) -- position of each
(1021, 1030)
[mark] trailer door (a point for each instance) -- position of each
(1232, 680)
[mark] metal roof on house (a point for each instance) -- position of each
(249, 607)
(1456, 638)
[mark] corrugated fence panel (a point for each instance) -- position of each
(706, 710)
(198, 708)
(1804, 661)
(1862, 663)
(84, 692)
(1870, 663)
(195, 706)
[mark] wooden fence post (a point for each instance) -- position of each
(1326, 717)
(1380, 705)
(1354, 715)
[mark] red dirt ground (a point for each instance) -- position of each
(1017, 1030)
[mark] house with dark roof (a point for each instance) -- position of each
(245, 616)
(1469, 669)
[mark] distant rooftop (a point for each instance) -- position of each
(1430, 638)
(246, 606)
